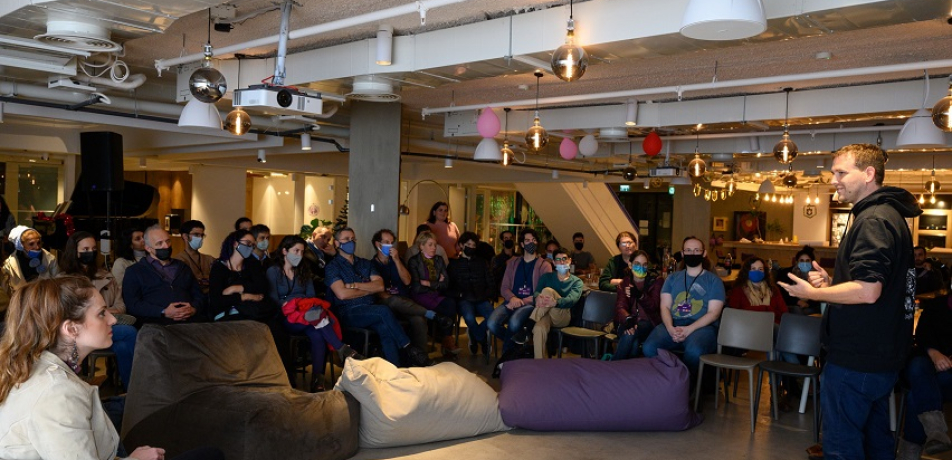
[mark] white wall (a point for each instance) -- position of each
(218, 199)
(273, 204)
(319, 191)
(816, 229)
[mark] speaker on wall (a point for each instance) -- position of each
(101, 158)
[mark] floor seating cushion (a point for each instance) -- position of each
(404, 406)
(646, 394)
(223, 385)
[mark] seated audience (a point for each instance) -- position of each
(414, 249)
(803, 265)
(290, 287)
(46, 410)
(929, 378)
(238, 288)
(471, 284)
(129, 249)
(927, 279)
(79, 258)
(550, 247)
(352, 283)
(445, 230)
(754, 290)
(508, 240)
(160, 289)
(243, 223)
(637, 307)
(613, 273)
(428, 287)
(556, 294)
(396, 289)
(28, 262)
(691, 303)
(584, 261)
(262, 236)
(518, 289)
(193, 233)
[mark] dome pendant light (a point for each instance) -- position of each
(942, 111)
(569, 61)
(786, 150)
(536, 136)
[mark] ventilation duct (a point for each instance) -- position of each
(373, 89)
(78, 35)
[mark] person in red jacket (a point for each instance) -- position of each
(637, 308)
(755, 290)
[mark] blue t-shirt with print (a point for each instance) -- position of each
(691, 295)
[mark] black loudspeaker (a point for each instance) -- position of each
(101, 156)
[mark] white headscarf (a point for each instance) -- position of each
(15, 235)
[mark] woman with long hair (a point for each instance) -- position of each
(129, 249)
(447, 234)
(428, 287)
(78, 258)
(46, 410)
(291, 288)
(755, 290)
(637, 306)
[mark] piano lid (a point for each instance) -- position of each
(136, 200)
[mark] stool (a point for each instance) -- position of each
(111, 365)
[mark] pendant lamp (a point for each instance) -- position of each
(507, 153)
(536, 136)
(942, 111)
(723, 19)
(921, 130)
(569, 61)
(786, 150)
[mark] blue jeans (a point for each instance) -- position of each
(514, 318)
(701, 342)
(928, 390)
(468, 309)
(856, 413)
(319, 339)
(124, 346)
(381, 320)
(628, 343)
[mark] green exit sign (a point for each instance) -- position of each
(671, 190)
(624, 188)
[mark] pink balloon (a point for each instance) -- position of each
(568, 149)
(488, 123)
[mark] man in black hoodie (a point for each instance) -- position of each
(867, 326)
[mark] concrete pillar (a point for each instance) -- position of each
(218, 199)
(374, 170)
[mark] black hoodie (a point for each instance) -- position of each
(877, 247)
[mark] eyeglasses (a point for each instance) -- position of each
(246, 243)
(627, 243)
(561, 259)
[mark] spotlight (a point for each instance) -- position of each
(305, 141)
(261, 157)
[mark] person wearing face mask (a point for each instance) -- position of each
(691, 304)
(396, 292)
(552, 310)
(754, 290)
(79, 258)
(129, 249)
(550, 247)
(160, 289)
(29, 262)
(802, 266)
(637, 307)
(584, 261)
(508, 241)
(320, 251)
(471, 284)
(614, 272)
(260, 256)
(238, 286)
(429, 285)
(193, 234)
(518, 289)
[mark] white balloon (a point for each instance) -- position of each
(588, 146)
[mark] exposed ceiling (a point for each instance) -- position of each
(640, 49)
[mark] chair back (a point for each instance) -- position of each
(750, 330)
(799, 335)
(599, 308)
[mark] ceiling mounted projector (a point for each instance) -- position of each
(277, 100)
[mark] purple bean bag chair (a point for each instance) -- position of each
(646, 394)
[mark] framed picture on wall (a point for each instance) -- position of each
(720, 224)
(749, 225)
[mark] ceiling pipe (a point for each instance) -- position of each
(419, 7)
(862, 129)
(133, 82)
(681, 89)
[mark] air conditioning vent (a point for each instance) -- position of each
(78, 35)
(369, 88)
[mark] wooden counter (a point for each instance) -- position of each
(781, 253)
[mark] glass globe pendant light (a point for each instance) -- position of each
(942, 111)
(569, 61)
(536, 137)
(238, 122)
(207, 84)
(697, 167)
(786, 150)
(933, 185)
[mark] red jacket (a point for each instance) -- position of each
(295, 309)
(737, 298)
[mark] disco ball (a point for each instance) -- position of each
(207, 84)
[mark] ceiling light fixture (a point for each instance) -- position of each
(200, 114)
(786, 150)
(142, 163)
(384, 44)
(632, 114)
(448, 163)
(697, 167)
(238, 122)
(723, 19)
(629, 172)
(207, 84)
(933, 185)
(507, 153)
(555, 173)
(921, 131)
(261, 156)
(536, 136)
(305, 141)
(569, 61)
(942, 111)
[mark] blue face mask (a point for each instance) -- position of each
(805, 266)
(640, 271)
(348, 247)
(34, 254)
(385, 249)
(756, 276)
(562, 269)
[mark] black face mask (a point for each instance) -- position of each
(87, 257)
(693, 260)
(163, 254)
(470, 252)
(579, 246)
(508, 244)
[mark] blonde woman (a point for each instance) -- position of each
(428, 286)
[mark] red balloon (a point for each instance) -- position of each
(652, 144)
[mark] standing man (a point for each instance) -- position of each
(583, 260)
(867, 326)
(193, 233)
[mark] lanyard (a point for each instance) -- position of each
(687, 289)
(527, 269)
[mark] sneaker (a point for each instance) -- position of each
(418, 357)
(521, 337)
(346, 352)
